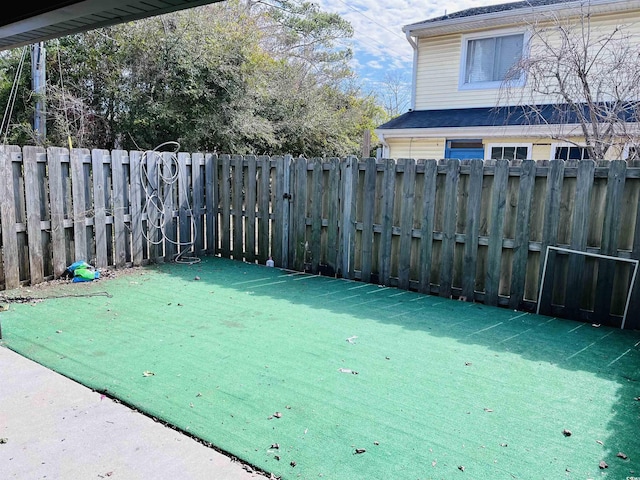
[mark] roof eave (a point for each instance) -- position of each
(514, 17)
(540, 131)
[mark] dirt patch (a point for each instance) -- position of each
(63, 286)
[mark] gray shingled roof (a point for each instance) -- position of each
(495, 116)
(470, 12)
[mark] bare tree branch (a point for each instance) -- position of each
(589, 72)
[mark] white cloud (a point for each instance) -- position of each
(377, 25)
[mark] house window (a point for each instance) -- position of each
(488, 60)
(571, 153)
(508, 152)
(632, 152)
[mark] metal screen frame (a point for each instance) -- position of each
(596, 255)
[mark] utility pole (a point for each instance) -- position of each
(39, 82)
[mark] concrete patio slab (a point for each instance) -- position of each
(52, 427)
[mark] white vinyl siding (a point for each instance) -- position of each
(420, 148)
(416, 148)
(439, 65)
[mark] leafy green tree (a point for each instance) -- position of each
(233, 77)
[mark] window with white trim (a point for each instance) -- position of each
(631, 152)
(498, 151)
(487, 61)
(570, 152)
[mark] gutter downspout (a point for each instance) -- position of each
(385, 145)
(414, 76)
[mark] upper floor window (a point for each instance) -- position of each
(488, 60)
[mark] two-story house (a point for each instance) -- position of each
(474, 95)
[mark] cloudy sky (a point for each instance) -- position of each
(379, 43)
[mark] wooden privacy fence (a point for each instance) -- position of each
(474, 230)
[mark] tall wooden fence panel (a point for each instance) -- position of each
(467, 229)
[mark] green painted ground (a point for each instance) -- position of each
(440, 386)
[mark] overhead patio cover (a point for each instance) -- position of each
(34, 22)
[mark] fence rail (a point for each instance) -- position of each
(474, 230)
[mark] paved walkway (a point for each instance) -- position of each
(52, 427)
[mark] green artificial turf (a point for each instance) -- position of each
(444, 389)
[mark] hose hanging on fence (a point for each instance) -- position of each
(166, 174)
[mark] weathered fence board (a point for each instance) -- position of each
(550, 224)
(167, 170)
(579, 232)
(496, 229)
(521, 240)
(153, 205)
(348, 198)
(473, 230)
(185, 198)
(449, 227)
(332, 200)
(426, 232)
(299, 242)
(387, 205)
(225, 198)
(317, 187)
(99, 208)
(368, 211)
(211, 205)
(251, 189)
(237, 204)
(611, 229)
(281, 211)
(118, 202)
(196, 208)
(79, 203)
(56, 198)
(33, 202)
(264, 202)
(137, 244)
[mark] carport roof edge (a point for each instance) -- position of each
(31, 23)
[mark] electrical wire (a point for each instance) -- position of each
(167, 174)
